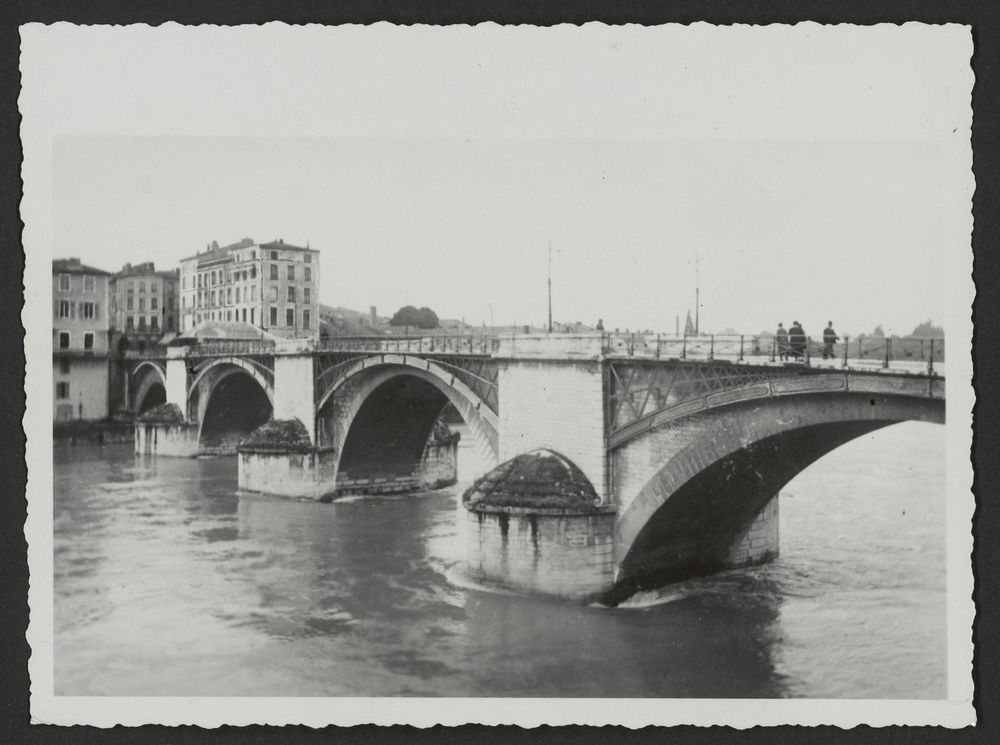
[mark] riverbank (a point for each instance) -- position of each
(91, 433)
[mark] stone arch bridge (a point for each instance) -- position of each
(686, 441)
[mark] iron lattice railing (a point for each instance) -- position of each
(803, 350)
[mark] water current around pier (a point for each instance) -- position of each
(168, 581)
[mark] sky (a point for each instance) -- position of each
(805, 174)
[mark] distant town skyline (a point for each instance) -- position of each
(463, 226)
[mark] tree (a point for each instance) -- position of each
(424, 318)
(878, 331)
(928, 330)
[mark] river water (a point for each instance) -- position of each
(170, 582)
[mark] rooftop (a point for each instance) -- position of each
(215, 252)
(278, 435)
(73, 266)
(541, 479)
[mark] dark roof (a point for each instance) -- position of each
(541, 479)
(278, 436)
(163, 414)
(73, 266)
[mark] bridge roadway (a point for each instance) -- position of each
(686, 441)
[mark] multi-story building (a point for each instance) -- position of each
(272, 286)
(144, 303)
(80, 340)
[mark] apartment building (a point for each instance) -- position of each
(81, 326)
(271, 286)
(144, 303)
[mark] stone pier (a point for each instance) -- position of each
(279, 458)
(535, 524)
(163, 431)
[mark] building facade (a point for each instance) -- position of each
(144, 303)
(271, 286)
(81, 331)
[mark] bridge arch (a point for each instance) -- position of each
(229, 397)
(397, 398)
(147, 387)
(687, 490)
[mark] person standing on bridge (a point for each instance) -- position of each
(797, 341)
(829, 339)
(781, 342)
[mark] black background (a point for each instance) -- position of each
(984, 17)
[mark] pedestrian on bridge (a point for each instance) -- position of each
(781, 342)
(797, 341)
(829, 339)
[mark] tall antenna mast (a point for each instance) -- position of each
(550, 285)
(697, 304)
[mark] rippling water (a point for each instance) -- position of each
(170, 582)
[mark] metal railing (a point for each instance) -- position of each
(805, 350)
(457, 344)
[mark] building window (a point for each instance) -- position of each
(274, 316)
(89, 283)
(308, 259)
(142, 286)
(274, 271)
(213, 299)
(237, 294)
(229, 296)
(170, 323)
(64, 310)
(291, 271)
(154, 287)
(142, 323)
(128, 301)
(62, 389)
(63, 283)
(289, 316)
(305, 319)
(130, 323)
(253, 272)
(253, 316)
(305, 294)
(291, 294)
(88, 340)
(253, 293)
(274, 255)
(274, 294)
(154, 323)
(308, 273)
(64, 365)
(244, 315)
(142, 304)
(154, 303)
(64, 339)
(88, 310)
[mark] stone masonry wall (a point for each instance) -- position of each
(759, 542)
(309, 475)
(555, 405)
(568, 556)
(179, 440)
(439, 465)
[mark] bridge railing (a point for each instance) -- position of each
(150, 353)
(224, 347)
(863, 350)
(456, 344)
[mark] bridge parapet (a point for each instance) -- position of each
(464, 344)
